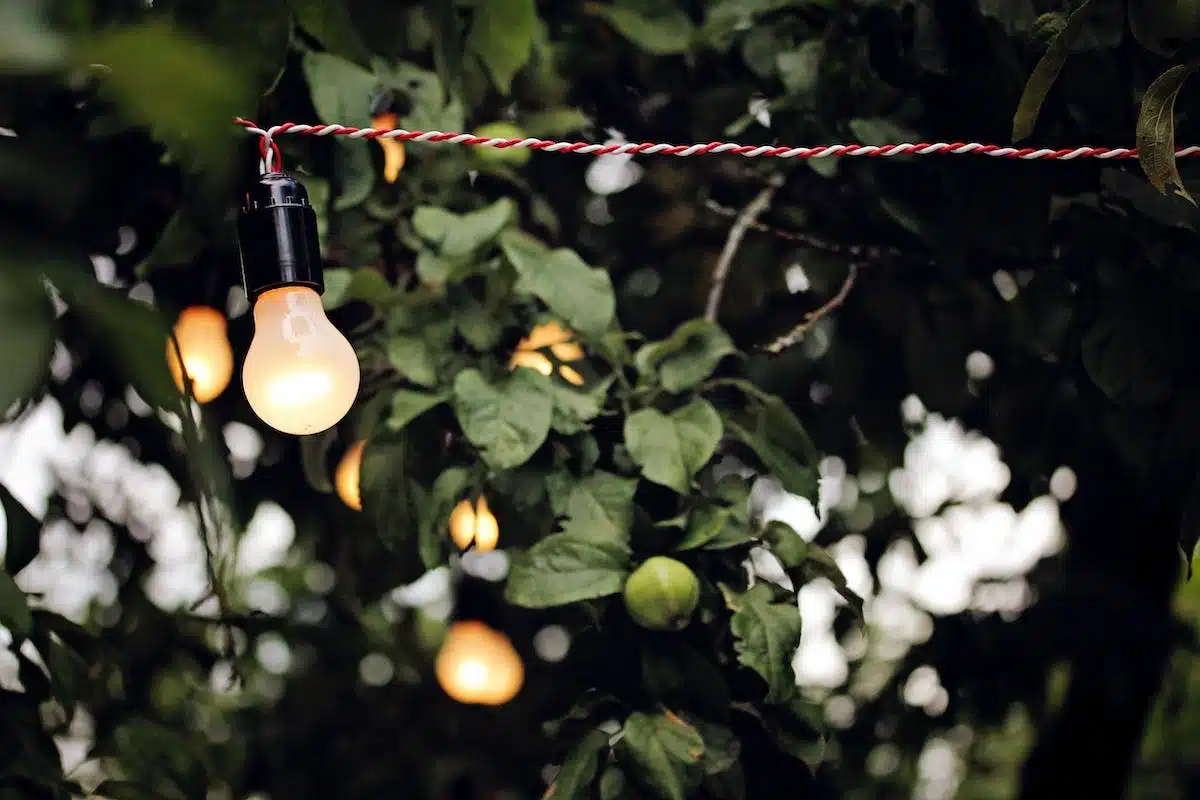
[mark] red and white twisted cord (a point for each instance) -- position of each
(653, 148)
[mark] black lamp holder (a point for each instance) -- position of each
(277, 237)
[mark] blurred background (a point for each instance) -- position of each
(995, 359)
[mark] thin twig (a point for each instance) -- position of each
(744, 222)
(865, 252)
(797, 334)
(206, 506)
(858, 256)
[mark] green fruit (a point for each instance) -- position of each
(662, 594)
(514, 156)
(1163, 26)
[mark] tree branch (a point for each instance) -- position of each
(744, 222)
(797, 334)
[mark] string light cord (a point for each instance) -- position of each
(270, 151)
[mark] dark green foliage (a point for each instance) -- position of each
(1078, 279)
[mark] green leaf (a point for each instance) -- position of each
(767, 415)
(68, 671)
(341, 90)
(450, 487)
(342, 93)
(14, 609)
(345, 285)
(26, 331)
(687, 357)
(134, 335)
(581, 295)
(820, 564)
(797, 727)
(787, 545)
(125, 790)
(578, 770)
(766, 637)
(555, 122)
(387, 499)
(480, 326)
(663, 752)
(793, 477)
(181, 88)
(575, 407)
(1156, 129)
(677, 674)
(459, 235)
(800, 69)
(75, 636)
(666, 34)
(672, 448)
(562, 569)
(600, 507)
(411, 357)
(804, 562)
(314, 450)
(449, 49)
(716, 528)
(408, 405)
(178, 244)
(507, 420)
(27, 42)
(1046, 73)
(1128, 357)
(502, 36)
(721, 746)
(431, 110)
(330, 23)
(23, 533)
(614, 786)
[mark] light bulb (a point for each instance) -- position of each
(533, 360)
(479, 665)
(207, 356)
(474, 524)
(301, 375)
(462, 524)
(487, 530)
(346, 476)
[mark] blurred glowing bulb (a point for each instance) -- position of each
(478, 665)
(207, 356)
(346, 476)
(393, 149)
(301, 375)
(487, 530)
(533, 360)
(570, 375)
(474, 524)
(561, 343)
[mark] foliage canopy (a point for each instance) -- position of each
(1074, 278)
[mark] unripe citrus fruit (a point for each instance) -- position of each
(513, 156)
(662, 594)
(1164, 25)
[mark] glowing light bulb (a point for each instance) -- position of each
(206, 354)
(301, 375)
(474, 524)
(479, 665)
(346, 476)
(462, 524)
(487, 529)
(560, 341)
(393, 149)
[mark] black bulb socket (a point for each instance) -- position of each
(277, 237)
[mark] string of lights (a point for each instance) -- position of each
(271, 154)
